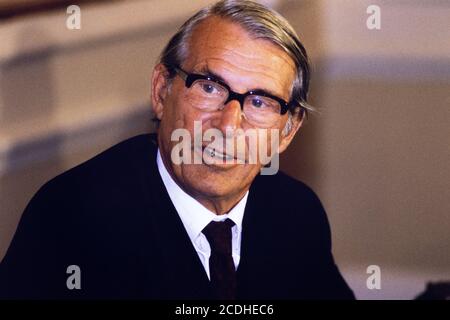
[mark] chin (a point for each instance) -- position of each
(213, 189)
(211, 183)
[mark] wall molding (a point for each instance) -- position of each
(382, 68)
(17, 153)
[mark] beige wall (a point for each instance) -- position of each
(66, 95)
(377, 154)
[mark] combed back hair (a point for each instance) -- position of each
(260, 22)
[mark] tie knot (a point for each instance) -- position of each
(218, 234)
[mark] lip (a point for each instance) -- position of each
(218, 153)
(221, 159)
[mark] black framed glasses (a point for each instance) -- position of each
(209, 94)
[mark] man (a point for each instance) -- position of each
(136, 222)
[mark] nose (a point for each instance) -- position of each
(230, 117)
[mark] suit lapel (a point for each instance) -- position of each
(259, 273)
(251, 245)
(182, 270)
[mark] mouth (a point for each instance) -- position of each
(212, 155)
(218, 154)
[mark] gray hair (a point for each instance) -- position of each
(261, 23)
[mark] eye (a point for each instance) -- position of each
(263, 104)
(208, 88)
(257, 102)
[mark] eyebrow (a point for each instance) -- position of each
(208, 72)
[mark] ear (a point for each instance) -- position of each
(159, 89)
(297, 121)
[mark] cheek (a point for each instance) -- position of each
(269, 139)
(180, 115)
(192, 117)
(176, 113)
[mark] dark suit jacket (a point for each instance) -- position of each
(112, 217)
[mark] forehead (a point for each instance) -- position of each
(246, 63)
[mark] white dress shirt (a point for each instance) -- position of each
(196, 217)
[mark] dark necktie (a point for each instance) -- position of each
(221, 265)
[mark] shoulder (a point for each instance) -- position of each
(288, 190)
(292, 206)
(120, 158)
(92, 195)
(102, 183)
(116, 164)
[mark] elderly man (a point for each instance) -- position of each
(146, 219)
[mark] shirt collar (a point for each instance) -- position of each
(193, 214)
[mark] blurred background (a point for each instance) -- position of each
(377, 153)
